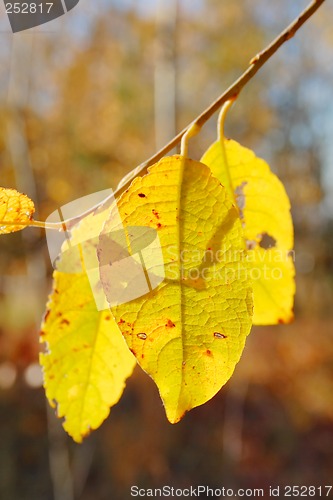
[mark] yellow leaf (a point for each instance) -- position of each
(87, 360)
(16, 211)
(189, 332)
(264, 209)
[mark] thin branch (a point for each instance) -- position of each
(231, 93)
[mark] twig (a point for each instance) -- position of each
(231, 93)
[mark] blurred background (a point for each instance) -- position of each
(83, 100)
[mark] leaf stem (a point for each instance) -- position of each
(221, 138)
(221, 119)
(34, 223)
(232, 92)
(191, 131)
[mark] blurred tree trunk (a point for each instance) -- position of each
(165, 78)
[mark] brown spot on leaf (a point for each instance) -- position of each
(142, 336)
(209, 352)
(155, 212)
(170, 324)
(182, 416)
(142, 195)
(133, 352)
(291, 254)
(266, 241)
(251, 244)
(86, 433)
(47, 314)
(65, 322)
(219, 335)
(121, 321)
(107, 318)
(159, 225)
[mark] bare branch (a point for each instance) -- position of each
(231, 93)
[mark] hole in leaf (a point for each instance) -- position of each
(218, 335)
(267, 241)
(142, 336)
(251, 244)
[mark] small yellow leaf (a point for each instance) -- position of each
(87, 360)
(264, 209)
(188, 332)
(16, 211)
